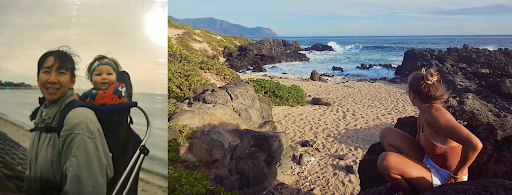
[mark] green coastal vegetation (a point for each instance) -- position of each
(189, 68)
(279, 94)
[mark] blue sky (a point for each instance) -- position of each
(357, 17)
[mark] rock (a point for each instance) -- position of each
(306, 143)
(305, 159)
(363, 66)
(295, 148)
(369, 66)
(267, 156)
(233, 106)
(475, 187)
(267, 126)
(369, 174)
(335, 68)
(351, 169)
(504, 88)
(226, 181)
(295, 158)
(319, 47)
(263, 52)
(212, 144)
(214, 96)
(398, 80)
(320, 101)
(315, 76)
(203, 88)
(343, 157)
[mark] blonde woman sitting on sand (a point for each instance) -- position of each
(442, 150)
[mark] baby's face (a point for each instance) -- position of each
(102, 77)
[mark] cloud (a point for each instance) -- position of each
(497, 9)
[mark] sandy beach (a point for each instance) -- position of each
(149, 183)
(360, 109)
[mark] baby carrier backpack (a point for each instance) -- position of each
(127, 148)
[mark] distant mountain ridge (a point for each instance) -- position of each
(224, 27)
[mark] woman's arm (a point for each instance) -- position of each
(440, 120)
(85, 158)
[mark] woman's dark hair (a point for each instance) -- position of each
(427, 87)
(98, 58)
(64, 57)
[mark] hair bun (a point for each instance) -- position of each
(430, 75)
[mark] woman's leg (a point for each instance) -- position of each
(397, 141)
(406, 174)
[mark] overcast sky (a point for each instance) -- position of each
(357, 17)
(132, 31)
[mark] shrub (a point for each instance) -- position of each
(279, 94)
(183, 75)
(186, 72)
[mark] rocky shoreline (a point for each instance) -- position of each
(481, 99)
(481, 86)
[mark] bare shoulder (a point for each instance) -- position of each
(443, 123)
(438, 114)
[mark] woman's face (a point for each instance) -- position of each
(54, 84)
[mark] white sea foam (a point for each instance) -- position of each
(356, 46)
(491, 47)
(335, 46)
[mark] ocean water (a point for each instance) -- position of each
(352, 51)
(17, 105)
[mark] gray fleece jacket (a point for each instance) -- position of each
(77, 162)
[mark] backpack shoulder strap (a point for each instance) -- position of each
(67, 108)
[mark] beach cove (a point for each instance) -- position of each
(340, 134)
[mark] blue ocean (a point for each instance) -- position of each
(16, 106)
(352, 51)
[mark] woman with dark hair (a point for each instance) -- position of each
(78, 160)
(442, 150)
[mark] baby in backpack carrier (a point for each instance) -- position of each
(103, 72)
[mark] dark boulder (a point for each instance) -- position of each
(335, 68)
(369, 66)
(319, 47)
(369, 174)
(315, 76)
(474, 187)
(363, 67)
(254, 56)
